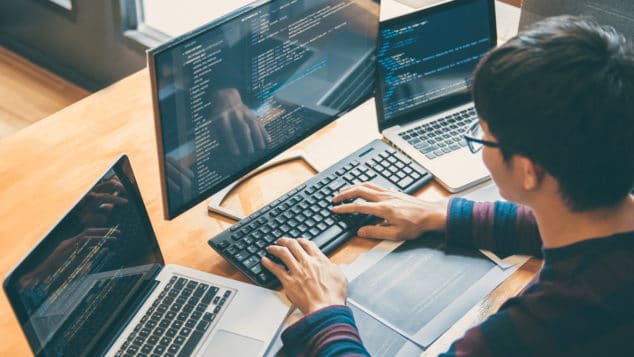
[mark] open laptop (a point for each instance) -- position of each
(96, 284)
(425, 64)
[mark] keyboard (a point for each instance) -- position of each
(305, 211)
(177, 320)
(441, 137)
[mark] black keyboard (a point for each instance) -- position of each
(442, 136)
(305, 211)
(177, 320)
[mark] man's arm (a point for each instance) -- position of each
(501, 227)
(328, 332)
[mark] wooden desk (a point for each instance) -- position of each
(45, 168)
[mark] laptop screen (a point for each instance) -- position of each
(89, 272)
(429, 56)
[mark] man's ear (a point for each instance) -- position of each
(533, 174)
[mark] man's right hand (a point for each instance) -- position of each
(404, 216)
(242, 132)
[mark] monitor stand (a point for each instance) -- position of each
(216, 200)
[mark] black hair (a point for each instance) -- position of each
(562, 94)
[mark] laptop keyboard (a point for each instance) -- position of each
(440, 137)
(177, 319)
(306, 210)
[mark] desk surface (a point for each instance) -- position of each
(45, 168)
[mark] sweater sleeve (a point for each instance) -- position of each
(501, 227)
(327, 332)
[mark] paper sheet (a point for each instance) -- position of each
(420, 290)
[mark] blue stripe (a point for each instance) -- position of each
(504, 229)
(460, 221)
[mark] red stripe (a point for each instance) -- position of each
(330, 335)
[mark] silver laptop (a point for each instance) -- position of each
(425, 64)
(96, 284)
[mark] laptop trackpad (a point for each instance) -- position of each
(225, 343)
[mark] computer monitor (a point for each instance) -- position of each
(235, 93)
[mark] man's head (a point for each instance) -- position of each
(562, 95)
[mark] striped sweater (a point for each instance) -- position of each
(580, 304)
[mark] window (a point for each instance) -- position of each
(156, 21)
(66, 4)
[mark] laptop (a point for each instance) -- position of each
(97, 284)
(425, 64)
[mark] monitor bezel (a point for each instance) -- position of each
(435, 106)
(151, 62)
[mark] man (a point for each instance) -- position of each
(556, 129)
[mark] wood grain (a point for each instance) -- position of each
(29, 93)
(46, 167)
(517, 3)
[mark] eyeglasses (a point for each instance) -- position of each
(475, 138)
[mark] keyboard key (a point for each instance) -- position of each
(209, 316)
(203, 325)
(404, 183)
(185, 331)
(146, 349)
(251, 261)
(191, 343)
(256, 269)
(173, 348)
(159, 350)
(242, 255)
(327, 236)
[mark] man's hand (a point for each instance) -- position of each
(312, 281)
(241, 130)
(99, 203)
(404, 216)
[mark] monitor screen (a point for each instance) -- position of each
(83, 279)
(429, 56)
(237, 92)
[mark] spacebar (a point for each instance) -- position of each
(328, 235)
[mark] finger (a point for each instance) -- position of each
(310, 247)
(227, 134)
(379, 232)
(180, 171)
(109, 186)
(363, 192)
(297, 250)
(370, 208)
(181, 167)
(107, 198)
(275, 269)
(256, 129)
(285, 256)
(242, 132)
